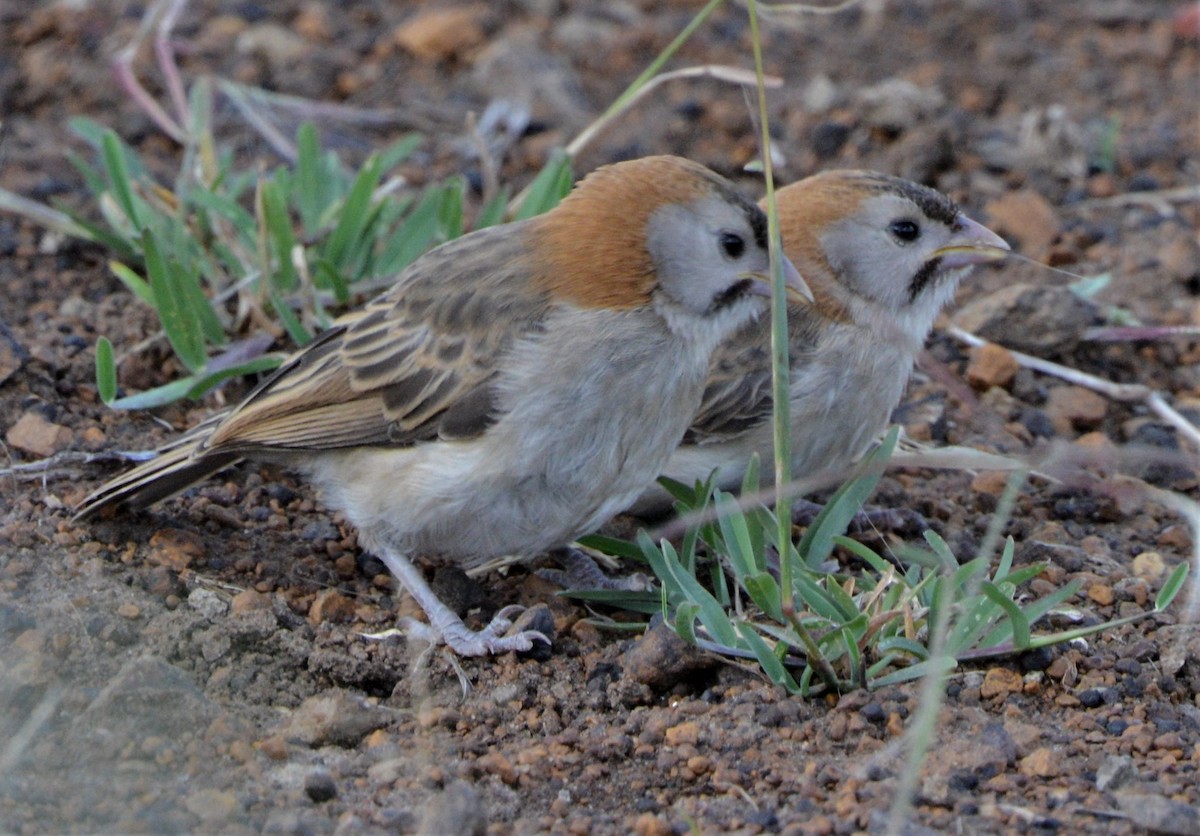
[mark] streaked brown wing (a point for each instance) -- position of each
(737, 395)
(416, 363)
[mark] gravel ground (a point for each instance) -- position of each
(200, 667)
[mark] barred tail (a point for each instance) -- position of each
(173, 470)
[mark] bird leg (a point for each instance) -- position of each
(445, 626)
(578, 571)
(895, 520)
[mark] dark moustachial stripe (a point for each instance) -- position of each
(928, 271)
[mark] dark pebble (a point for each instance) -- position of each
(1037, 660)
(1129, 666)
(1142, 182)
(1091, 698)
(873, 712)
(1037, 422)
(692, 109)
(1116, 727)
(320, 530)
(370, 565)
(280, 493)
(963, 781)
(828, 138)
(320, 787)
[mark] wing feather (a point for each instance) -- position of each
(416, 363)
(737, 395)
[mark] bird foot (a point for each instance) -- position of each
(894, 520)
(445, 627)
(578, 571)
(463, 641)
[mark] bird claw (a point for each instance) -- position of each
(490, 641)
(579, 571)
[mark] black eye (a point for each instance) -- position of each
(906, 231)
(732, 244)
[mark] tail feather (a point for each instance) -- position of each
(175, 469)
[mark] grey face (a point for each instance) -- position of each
(704, 250)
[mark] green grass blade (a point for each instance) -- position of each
(612, 545)
(400, 150)
(862, 552)
(413, 237)
(193, 386)
(279, 230)
(685, 621)
(817, 543)
(327, 276)
(764, 592)
(1020, 624)
(938, 666)
(106, 371)
(548, 188)
(1171, 587)
(666, 565)
(307, 190)
(291, 322)
(136, 285)
(450, 212)
(352, 219)
(492, 212)
(118, 179)
(170, 301)
(771, 664)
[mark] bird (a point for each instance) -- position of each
(882, 256)
(514, 389)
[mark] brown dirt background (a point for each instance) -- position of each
(200, 668)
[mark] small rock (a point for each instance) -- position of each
(441, 34)
(333, 718)
(648, 824)
(12, 354)
(312, 23)
(500, 766)
(1180, 644)
(1042, 762)
(130, 611)
(37, 436)
(211, 806)
(1036, 319)
(330, 606)
(683, 733)
(208, 603)
(539, 619)
(274, 747)
(991, 365)
(320, 787)
(1074, 406)
(991, 482)
(1149, 565)
(174, 548)
(999, 682)
(279, 45)
(1101, 593)
(458, 809)
(661, 659)
(249, 600)
(1158, 814)
(897, 104)
(1028, 218)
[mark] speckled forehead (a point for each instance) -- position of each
(932, 203)
(813, 204)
